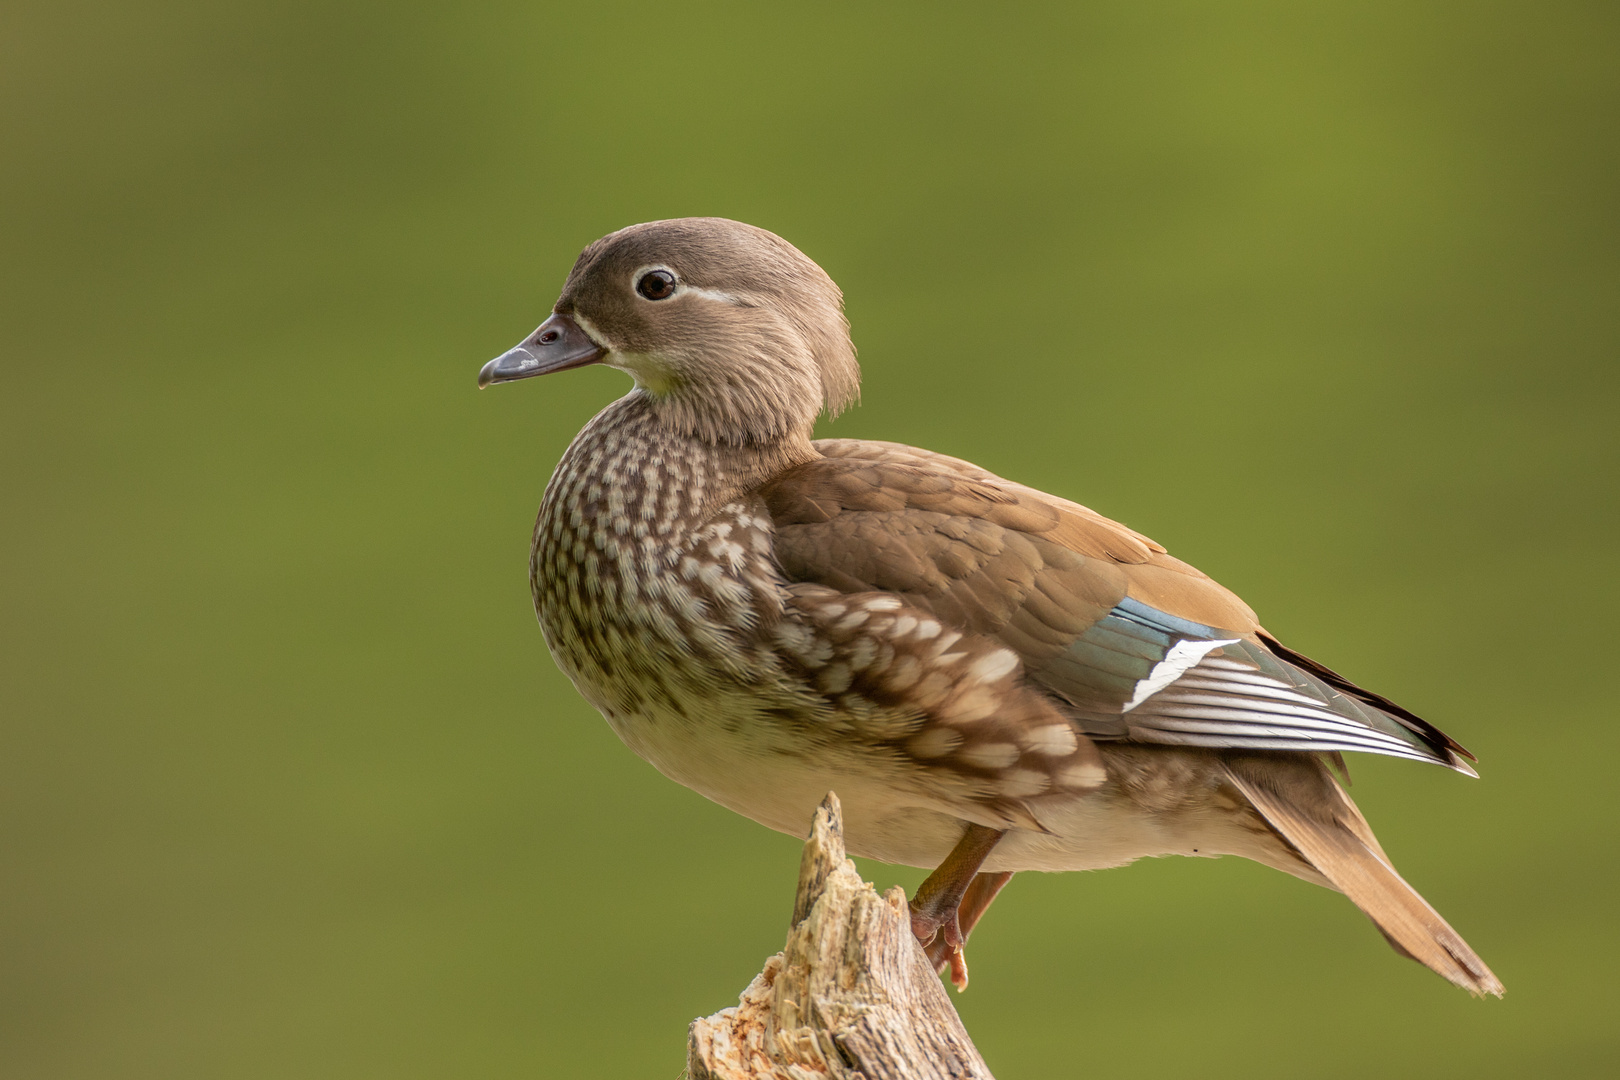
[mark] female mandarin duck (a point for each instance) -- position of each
(992, 678)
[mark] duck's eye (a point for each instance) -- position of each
(656, 285)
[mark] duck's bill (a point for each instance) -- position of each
(556, 345)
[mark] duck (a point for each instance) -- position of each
(993, 679)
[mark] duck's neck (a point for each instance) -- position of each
(665, 424)
(631, 448)
(741, 407)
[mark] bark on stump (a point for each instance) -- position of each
(851, 997)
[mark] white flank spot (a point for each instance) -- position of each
(850, 621)
(992, 666)
(903, 674)
(1182, 655)
(972, 706)
(1053, 740)
(836, 678)
(989, 755)
(1084, 775)
(935, 742)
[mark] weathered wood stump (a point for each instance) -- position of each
(850, 997)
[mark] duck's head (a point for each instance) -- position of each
(733, 334)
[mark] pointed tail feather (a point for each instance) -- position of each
(1325, 827)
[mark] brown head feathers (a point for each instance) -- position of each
(732, 332)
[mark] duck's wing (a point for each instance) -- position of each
(1138, 645)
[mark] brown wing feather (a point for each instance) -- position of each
(899, 487)
(1436, 738)
(1076, 527)
(1038, 574)
(977, 555)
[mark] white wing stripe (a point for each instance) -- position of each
(1182, 655)
(1256, 731)
(1196, 697)
(1238, 678)
(1246, 690)
(1305, 708)
(1302, 723)
(1177, 738)
(1227, 723)
(1226, 664)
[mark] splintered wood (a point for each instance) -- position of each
(851, 997)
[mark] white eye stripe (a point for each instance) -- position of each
(709, 294)
(681, 286)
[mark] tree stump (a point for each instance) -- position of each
(851, 996)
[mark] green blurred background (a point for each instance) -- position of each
(1323, 296)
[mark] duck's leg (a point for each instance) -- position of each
(980, 891)
(937, 910)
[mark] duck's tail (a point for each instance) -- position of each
(1316, 817)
